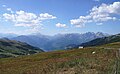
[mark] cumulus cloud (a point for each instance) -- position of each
(81, 21)
(99, 14)
(31, 21)
(21, 18)
(61, 25)
(44, 16)
(25, 19)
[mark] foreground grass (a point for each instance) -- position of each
(75, 61)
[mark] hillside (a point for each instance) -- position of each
(103, 40)
(10, 48)
(91, 60)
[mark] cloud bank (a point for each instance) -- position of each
(31, 21)
(25, 19)
(99, 14)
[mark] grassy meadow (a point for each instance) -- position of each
(75, 61)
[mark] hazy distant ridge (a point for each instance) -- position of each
(59, 41)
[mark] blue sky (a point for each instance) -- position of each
(59, 16)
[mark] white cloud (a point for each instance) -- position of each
(21, 18)
(25, 19)
(31, 21)
(45, 16)
(9, 9)
(9, 17)
(81, 21)
(99, 14)
(61, 25)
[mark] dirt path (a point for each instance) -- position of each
(118, 62)
(116, 68)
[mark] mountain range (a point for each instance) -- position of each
(59, 41)
(102, 41)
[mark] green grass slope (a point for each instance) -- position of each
(76, 61)
(10, 48)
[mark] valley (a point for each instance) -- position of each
(58, 41)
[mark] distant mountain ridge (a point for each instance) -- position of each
(59, 41)
(34, 40)
(103, 40)
(12, 48)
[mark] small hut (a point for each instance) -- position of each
(80, 47)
